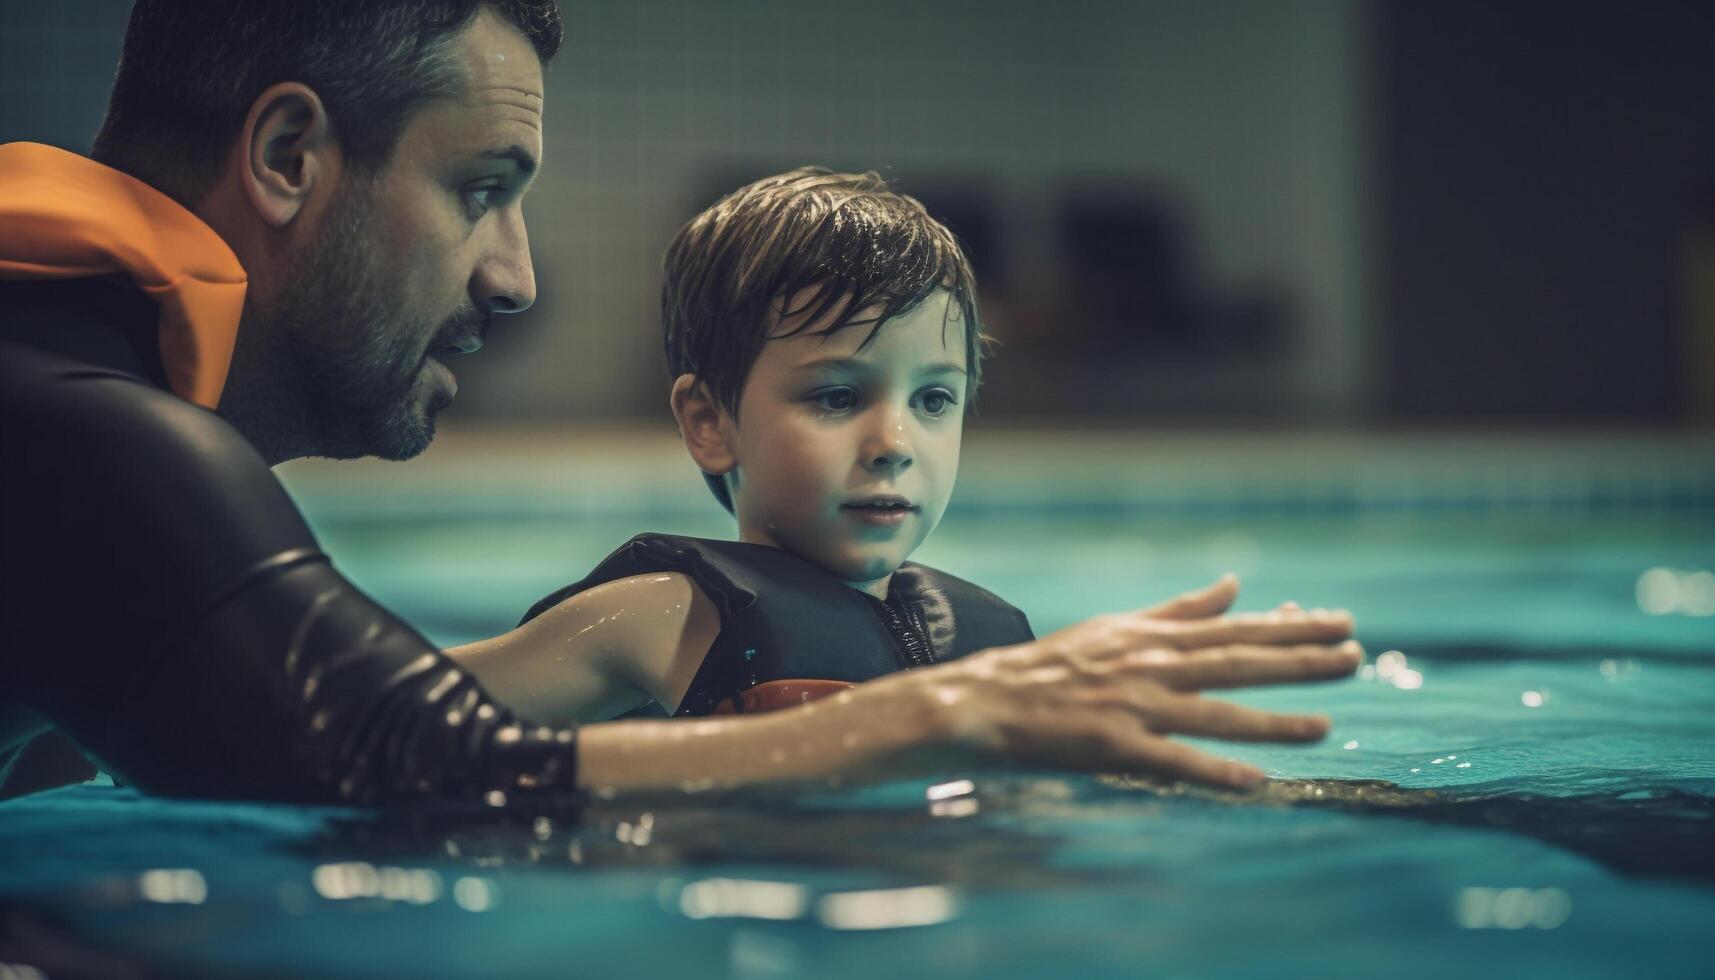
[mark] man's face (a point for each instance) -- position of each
(846, 457)
(410, 264)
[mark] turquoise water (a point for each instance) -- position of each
(1525, 786)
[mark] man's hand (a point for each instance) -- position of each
(1101, 696)
(1105, 693)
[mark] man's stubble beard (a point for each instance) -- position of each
(355, 351)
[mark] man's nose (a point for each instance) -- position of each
(505, 281)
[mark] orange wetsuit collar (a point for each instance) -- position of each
(64, 216)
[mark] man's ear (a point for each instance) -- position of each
(704, 425)
(286, 150)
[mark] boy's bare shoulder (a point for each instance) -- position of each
(633, 605)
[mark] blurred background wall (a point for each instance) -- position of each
(1322, 213)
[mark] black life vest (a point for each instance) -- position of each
(788, 626)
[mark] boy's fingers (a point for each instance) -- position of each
(1245, 665)
(1210, 601)
(1191, 715)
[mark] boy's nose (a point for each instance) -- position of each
(887, 448)
(892, 458)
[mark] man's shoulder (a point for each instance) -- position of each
(71, 412)
(96, 454)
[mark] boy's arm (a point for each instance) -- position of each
(601, 652)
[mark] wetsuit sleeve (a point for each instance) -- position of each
(168, 608)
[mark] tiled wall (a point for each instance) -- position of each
(1248, 112)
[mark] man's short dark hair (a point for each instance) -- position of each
(191, 69)
(874, 254)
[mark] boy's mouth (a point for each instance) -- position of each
(882, 509)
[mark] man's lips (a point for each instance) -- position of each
(447, 389)
(462, 333)
(459, 345)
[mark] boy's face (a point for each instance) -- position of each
(847, 457)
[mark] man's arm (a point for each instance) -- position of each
(602, 651)
(1103, 695)
(167, 607)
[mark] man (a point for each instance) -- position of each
(296, 211)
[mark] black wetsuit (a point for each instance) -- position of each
(786, 619)
(165, 605)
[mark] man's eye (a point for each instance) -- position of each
(937, 402)
(477, 200)
(835, 399)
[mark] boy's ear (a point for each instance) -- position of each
(704, 425)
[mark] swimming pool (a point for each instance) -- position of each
(1522, 781)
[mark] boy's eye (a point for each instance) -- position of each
(937, 402)
(835, 399)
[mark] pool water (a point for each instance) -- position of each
(1522, 782)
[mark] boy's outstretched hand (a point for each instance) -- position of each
(1100, 696)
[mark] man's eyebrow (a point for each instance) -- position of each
(517, 154)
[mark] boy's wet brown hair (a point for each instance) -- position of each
(873, 253)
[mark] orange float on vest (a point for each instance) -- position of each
(63, 216)
(774, 695)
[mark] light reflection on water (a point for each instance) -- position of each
(1512, 908)
(1569, 833)
(1122, 850)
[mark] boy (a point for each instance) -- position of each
(823, 336)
